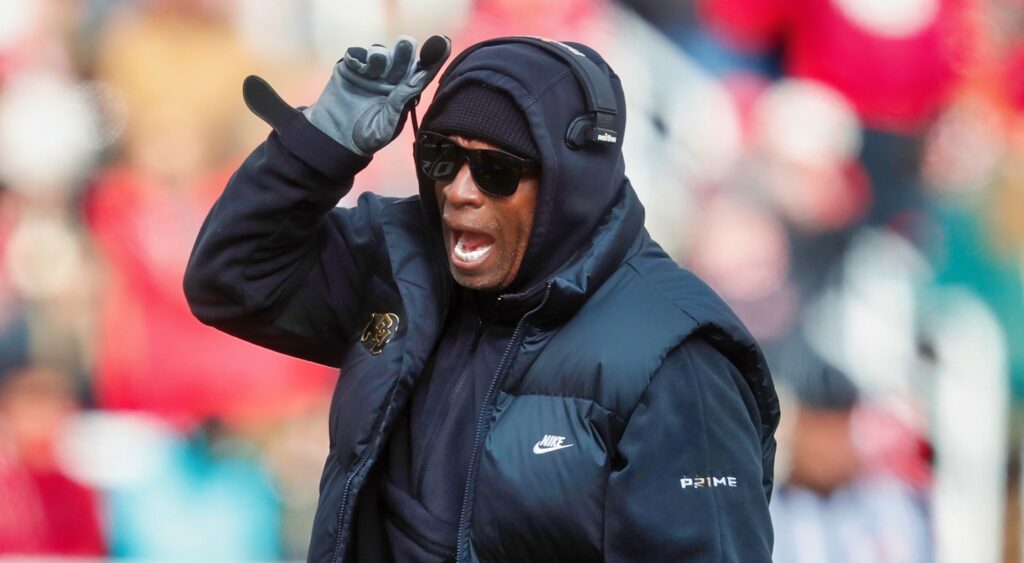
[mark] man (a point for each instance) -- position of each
(835, 504)
(525, 375)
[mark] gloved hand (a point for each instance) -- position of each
(363, 105)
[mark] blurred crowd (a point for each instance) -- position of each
(847, 174)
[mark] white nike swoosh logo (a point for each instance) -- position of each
(538, 449)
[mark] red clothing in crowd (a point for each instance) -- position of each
(153, 354)
(44, 512)
(897, 74)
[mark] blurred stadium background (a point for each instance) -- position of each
(848, 174)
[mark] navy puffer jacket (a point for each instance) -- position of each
(631, 416)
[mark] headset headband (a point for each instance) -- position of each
(598, 128)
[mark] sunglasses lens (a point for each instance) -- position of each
(495, 173)
(439, 158)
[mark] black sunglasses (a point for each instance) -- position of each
(496, 173)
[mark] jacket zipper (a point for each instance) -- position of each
(344, 501)
(357, 469)
(462, 539)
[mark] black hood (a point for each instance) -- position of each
(577, 186)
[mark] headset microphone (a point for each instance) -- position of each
(434, 49)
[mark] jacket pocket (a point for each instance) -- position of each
(541, 483)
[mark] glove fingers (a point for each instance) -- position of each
(355, 59)
(405, 50)
(365, 103)
(378, 61)
(433, 55)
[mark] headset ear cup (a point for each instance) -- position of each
(579, 129)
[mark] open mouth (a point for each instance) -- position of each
(470, 247)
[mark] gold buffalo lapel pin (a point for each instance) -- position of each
(379, 331)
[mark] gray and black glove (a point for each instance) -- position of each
(363, 106)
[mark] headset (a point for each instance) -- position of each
(597, 126)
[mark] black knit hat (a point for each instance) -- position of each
(481, 112)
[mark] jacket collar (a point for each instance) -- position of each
(615, 239)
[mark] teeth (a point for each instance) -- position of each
(466, 255)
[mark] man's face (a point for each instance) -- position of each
(485, 236)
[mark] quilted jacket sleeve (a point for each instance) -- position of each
(689, 487)
(275, 262)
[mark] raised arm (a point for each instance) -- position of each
(275, 262)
